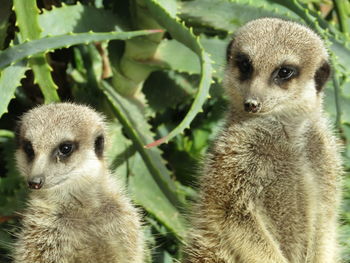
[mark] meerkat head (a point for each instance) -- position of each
(60, 142)
(276, 66)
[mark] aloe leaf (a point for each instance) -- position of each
(138, 130)
(27, 19)
(331, 108)
(217, 49)
(77, 18)
(342, 53)
(6, 134)
(142, 188)
(21, 51)
(128, 74)
(229, 15)
(42, 73)
(183, 60)
(185, 36)
(5, 12)
(341, 10)
(170, 6)
(11, 183)
(309, 17)
(176, 89)
(10, 79)
(147, 193)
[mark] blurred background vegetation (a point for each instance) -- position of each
(155, 86)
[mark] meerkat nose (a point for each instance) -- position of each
(252, 105)
(36, 182)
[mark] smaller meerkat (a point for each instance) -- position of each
(77, 212)
(270, 185)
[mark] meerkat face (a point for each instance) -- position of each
(275, 66)
(60, 142)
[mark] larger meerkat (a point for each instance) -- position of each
(77, 212)
(270, 187)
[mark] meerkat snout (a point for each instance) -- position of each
(36, 182)
(252, 105)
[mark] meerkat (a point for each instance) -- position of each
(77, 212)
(270, 186)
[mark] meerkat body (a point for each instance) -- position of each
(270, 187)
(77, 212)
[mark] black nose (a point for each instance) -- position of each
(252, 105)
(36, 182)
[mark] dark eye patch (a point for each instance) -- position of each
(99, 145)
(244, 65)
(28, 150)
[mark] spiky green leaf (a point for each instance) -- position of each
(21, 51)
(176, 89)
(10, 79)
(183, 60)
(11, 183)
(5, 12)
(77, 18)
(186, 37)
(229, 15)
(130, 167)
(216, 47)
(27, 19)
(138, 130)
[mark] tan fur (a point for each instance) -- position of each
(270, 186)
(81, 214)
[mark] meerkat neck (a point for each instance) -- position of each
(295, 126)
(298, 125)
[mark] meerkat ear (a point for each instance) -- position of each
(321, 76)
(99, 145)
(228, 51)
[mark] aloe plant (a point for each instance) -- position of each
(155, 69)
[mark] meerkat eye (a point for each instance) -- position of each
(284, 73)
(244, 66)
(65, 149)
(28, 149)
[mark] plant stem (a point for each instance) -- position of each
(335, 81)
(341, 10)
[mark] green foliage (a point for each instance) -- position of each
(27, 49)
(148, 66)
(27, 15)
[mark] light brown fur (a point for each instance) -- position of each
(81, 213)
(270, 186)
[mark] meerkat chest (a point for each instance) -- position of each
(262, 161)
(72, 221)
